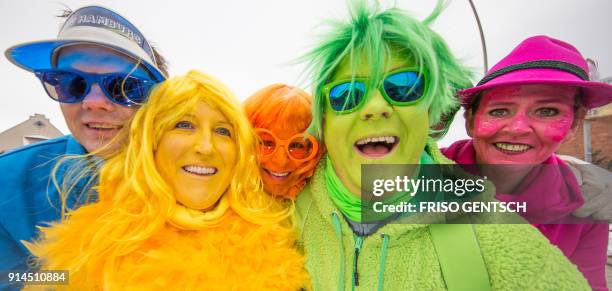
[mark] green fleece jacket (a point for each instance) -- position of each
(402, 256)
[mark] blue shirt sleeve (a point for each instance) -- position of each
(28, 197)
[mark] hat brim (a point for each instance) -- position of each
(38, 55)
(595, 94)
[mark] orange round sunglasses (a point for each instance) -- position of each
(300, 147)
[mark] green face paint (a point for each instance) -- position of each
(376, 133)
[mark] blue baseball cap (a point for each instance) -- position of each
(88, 25)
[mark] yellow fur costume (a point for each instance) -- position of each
(235, 255)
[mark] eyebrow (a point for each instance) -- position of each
(397, 68)
(500, 103)
(347, 77)
(225, 123)
(551, 100)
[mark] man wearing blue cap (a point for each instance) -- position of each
(100, 68)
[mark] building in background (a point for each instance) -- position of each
(596, 133)
(36, 128)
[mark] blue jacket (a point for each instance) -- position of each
(28, 197)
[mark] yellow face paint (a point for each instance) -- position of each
(198, 156)
(376, 133)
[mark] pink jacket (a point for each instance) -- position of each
(584, 244)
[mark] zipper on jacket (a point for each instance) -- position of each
(338, 231)
(358, 245)
(383, 260)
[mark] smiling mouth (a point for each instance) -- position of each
(102, 126)
(376, 147)
(199, 170)
(511, 148)
(277, 175)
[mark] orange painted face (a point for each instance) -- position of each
(286, 158)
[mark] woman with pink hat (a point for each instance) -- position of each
(518, 115)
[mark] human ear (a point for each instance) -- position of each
(322, 138)
(469, 122)
(579, 114)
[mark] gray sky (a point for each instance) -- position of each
(251, 44)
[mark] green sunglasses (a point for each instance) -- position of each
(402, 87)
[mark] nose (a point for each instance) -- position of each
(280, 157)
(519, 124)
(204, 145)
(376, 107)
(97, 100)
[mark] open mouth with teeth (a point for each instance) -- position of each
(511, 148)
(277, 175)
(102, 126)
(376, 147)
(199, 170)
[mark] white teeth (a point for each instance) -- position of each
(200, 170)
(103, 126)
(386, 139)
(512, 147)
(278, 174)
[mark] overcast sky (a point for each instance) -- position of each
(249, 44)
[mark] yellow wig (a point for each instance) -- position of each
(97, 242)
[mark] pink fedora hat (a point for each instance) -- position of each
(543, 60)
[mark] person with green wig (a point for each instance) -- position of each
(382, 81)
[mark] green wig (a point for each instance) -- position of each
(376, 35)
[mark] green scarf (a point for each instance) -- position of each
(349, 204)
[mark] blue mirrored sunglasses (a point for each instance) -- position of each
(400, 88)
(71, 86)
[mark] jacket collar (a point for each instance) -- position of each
(325, 207)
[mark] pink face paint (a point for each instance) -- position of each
(522, 124)
(558, 131)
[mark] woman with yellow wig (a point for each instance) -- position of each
(280, 115)
(181, 205)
